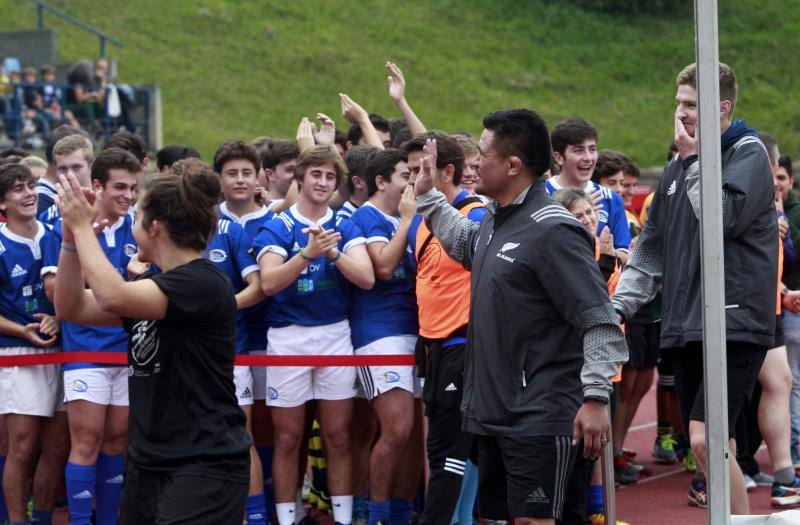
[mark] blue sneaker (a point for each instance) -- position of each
(784, 495)
(697, 494)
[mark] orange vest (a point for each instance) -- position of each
(442, 286)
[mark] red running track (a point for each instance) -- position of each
(661, 498)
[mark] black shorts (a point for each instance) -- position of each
(155, 497)
(642, 342)
(779, 339)
(666, 368)
(523, 476)
(744, 362)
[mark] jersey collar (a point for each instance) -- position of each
(242, 220)
(33, 244)
(308, 222)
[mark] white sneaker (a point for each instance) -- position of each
(749, 483)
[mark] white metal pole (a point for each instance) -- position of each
(712, 258)
(609, 489)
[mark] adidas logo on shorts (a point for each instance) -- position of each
(246, 394)
(83, 495)
(18, 271)
(537, 496)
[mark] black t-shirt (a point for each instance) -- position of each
(184, 416)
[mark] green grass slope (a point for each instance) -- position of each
(236, 68)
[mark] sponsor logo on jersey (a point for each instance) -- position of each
(130, 250)
(217, 256)
(450, 388)
(27, 291)
(509, 246)
(18, 271)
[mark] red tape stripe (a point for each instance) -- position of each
(121, 358)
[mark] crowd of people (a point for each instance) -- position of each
(506, 267)
(33, 103)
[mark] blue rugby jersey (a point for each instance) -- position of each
(23, 264)
(230, 251)
(255, 316)
(319, 296)
(117, 243)
(390, 307)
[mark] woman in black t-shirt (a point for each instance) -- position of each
(188, 447)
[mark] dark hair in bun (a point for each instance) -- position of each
(183, 201)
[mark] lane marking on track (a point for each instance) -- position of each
(643, 426)
(650, 479)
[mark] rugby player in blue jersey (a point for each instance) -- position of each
(28, 395)
(97, 394)
(306, 262)
(236, 162)
(575, 151)
(383, 320)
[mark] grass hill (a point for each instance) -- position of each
(233, 68)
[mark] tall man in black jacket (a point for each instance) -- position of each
(543, 340)
(668, 251)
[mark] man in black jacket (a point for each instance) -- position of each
(668, 251)
(543, 340)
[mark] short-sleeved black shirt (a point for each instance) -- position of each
(184, 417)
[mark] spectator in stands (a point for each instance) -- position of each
(86, 98)
(169, 155)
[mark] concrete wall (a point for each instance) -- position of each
(33, 48)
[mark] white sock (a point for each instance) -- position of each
(301, 512)
(286, 513)
(342, 509)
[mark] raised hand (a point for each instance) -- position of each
(78, 206)
(396, 81)
(327, 129)
(354, 113)
(427, 168)
(597, 198)
(305, 134)
(686, 144)
(408, 204)
(606, 242)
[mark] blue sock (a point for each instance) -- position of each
(3, 509)
(80, 492)
(378, 511)
(359, 507)
(464, 511)
(41, 517)
(256, 509)
(108, 488)
(401, 512)
(596, 501)
(265, 455)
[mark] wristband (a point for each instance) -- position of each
(338, 255)
(595, 398)
(68, 249)
(302, 253)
